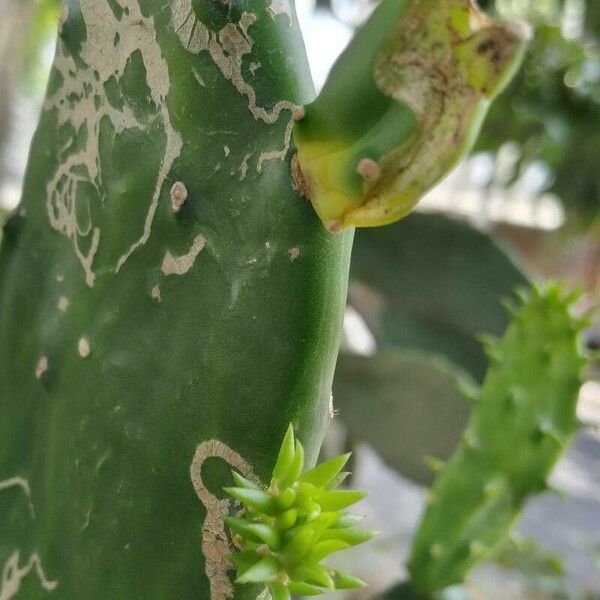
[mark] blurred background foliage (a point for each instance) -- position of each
(553, 107)
(525, 206)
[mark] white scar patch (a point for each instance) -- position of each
(80, 101)
(227, 49)
(180, 265)
(83, 347)
(20, 483)
(281, 7)
(215, 543)
(41, 367)
(13, 575)
(63, 304)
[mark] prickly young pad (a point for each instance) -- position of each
(522, 420)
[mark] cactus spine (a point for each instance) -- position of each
(522, 420)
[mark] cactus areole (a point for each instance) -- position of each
(169, 302)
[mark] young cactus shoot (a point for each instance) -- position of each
(523, 419)
(287, 529)
(402, 106)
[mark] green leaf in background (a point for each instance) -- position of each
(406, 405)
(433, 284)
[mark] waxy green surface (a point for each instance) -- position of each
(132, 334)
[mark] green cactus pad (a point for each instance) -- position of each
(168, 302)
(521, 422)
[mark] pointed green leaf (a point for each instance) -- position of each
(322, 474)
(257, 499)
(338, 499)
(314, 574)
(286, 454)
(349, 535)
(298, 542)
(326, 519)
(299, 588)
(279, 591)
(265, 570)
(348, 520)
(256, 532)
(244, 560)
(338, 480)
(241, 481)
(295, 467)
(287, 519)
(242, 527)
(286, 498)
(327, 547)
(343, 581)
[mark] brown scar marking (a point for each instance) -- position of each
(179, 195)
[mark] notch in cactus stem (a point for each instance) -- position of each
(403, 104)
(287, 528)
(531, 389)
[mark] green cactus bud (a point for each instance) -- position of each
(402, 106)
(524, 417)
(301, 526)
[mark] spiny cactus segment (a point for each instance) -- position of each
(522, 420)
(287, 529)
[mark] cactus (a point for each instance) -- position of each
(421, 76)
(523, 418)
(294, 524)
(168, 301)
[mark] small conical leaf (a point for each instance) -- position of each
(287, 519)
(241, 481)
(300, 541)
(314, 574)
(299, 588)
(327, 547)
(339, 499)
(291, 474)
(244, 560)
(286, 454)
(256, 532)
(343, 581)
(265, 570)
(322, 474)
(348, 520)
(286, 498)
(257, 499)
(338, 480)
(279, 591)
(348, 535)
